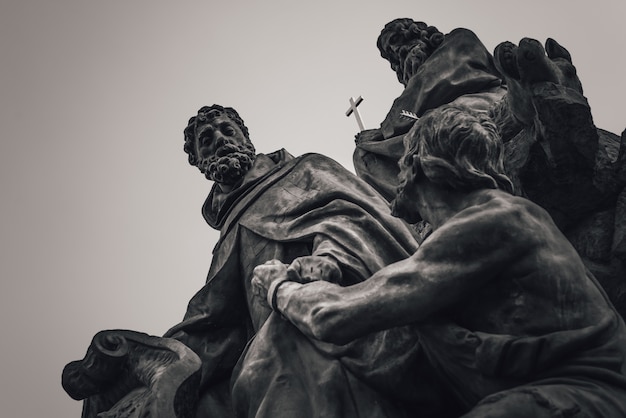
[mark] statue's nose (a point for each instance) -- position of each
(220, 139)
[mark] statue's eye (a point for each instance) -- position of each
(205, 139)
(229, 131)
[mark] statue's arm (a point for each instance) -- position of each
(459, 257)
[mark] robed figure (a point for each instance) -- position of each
(325, 224)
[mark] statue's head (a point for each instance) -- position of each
(454, 149)
(404, 37)
(218, 143)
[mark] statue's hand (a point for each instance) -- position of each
(314, 267)
(369, 135)
(302, 270)
(265, 274)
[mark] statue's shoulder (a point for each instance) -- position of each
(501, 210)
(308, 161)
(319, 162)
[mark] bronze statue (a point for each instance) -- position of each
(512, 308)
(507, 314)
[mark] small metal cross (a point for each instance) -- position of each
(353, 109)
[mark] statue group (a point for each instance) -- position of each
(482, 292)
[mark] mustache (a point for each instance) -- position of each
(229, 163)
(228, 148)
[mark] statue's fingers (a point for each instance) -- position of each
(257, 287)
(296, 265)
(262, 275)
(310, 272)
(259, 270)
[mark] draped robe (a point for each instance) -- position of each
(460, 71)
(257, 364)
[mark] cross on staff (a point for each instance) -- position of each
(353, 109)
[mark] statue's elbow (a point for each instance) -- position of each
(327, 326)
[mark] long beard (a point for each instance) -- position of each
(229, 164)
(416, 54)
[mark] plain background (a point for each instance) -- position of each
(100, 220)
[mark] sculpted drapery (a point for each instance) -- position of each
(285, 208)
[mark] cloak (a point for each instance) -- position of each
(460, 71)
(300, 198)
(315, 206)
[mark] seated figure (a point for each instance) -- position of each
(507, 314)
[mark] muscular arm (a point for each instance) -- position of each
(464, 254)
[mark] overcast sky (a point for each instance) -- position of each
(101, 225)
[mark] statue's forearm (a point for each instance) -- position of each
(315, 310)
(402, 293)
(336, 314)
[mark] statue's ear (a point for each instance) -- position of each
(555, 50)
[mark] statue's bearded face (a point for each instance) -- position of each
(224, 153)
(408, 54)
(406, 44)
(398, 45)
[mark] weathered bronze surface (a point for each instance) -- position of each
(495, 312)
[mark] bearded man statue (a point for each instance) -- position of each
(435, 69)
(323, 223)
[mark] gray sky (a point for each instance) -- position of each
(101, 225)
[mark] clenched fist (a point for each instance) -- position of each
(266, 277)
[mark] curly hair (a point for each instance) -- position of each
(205, 114)
(408, 31)
(457, 149)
